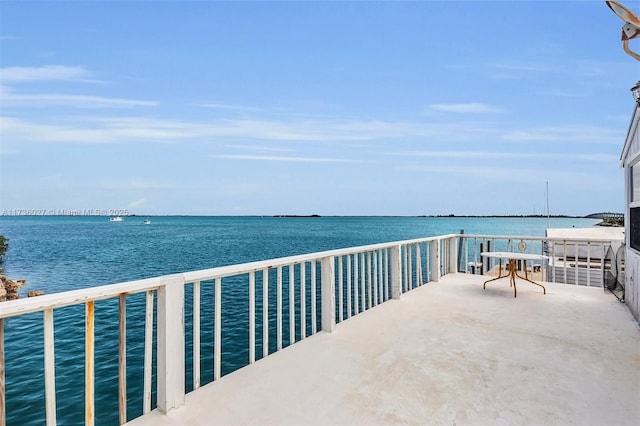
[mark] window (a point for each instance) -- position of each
(634, 228)
(635, 182)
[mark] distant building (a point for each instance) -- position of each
(630, 160)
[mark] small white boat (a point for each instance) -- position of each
(146, 222)
(115, 219)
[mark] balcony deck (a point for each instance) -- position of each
(446, 353)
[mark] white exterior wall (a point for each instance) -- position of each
(631, 156)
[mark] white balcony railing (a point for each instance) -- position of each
(313, 292)
(571, 261)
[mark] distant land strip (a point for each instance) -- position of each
(296, 215)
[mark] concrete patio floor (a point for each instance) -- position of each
(448, 353)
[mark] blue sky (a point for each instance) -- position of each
(331, 108)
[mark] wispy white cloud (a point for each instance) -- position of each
(619, 119)
(258, 148)
(140, 202)
(476, 171)
(10, 99)
(15, 76)
(472, 107)
(44, 73)
(310, 130)
(566, 66)
(460, 154)
(525, 66)
(115, 129)
(488, 155)
(599, 157)
(572, 133)
(285, 159)
(134, 186)
(88, 129)
(17, 130)
(509, 174)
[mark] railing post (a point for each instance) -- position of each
(461, 241)
(89, 364)
(396, 275)
(435, 260)
(171, 388)
(49, 368)
(453, 256)
(122, 359)
(148, 352)
(328, 288)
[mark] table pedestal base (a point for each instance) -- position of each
(513, 273)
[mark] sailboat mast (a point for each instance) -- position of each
(547, 203)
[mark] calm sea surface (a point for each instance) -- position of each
(56, 254)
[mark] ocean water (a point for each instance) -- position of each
(61, 253)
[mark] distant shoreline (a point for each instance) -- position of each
(293, 215)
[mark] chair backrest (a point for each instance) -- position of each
(620, 265)
(610, 270)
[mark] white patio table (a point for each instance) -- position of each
(513, 272)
